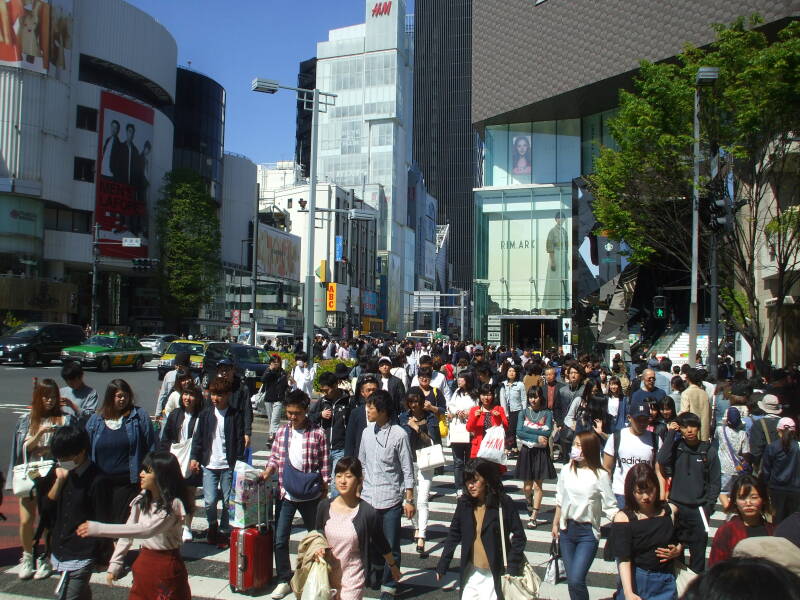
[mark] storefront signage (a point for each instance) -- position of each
(330, 297)
(369, 303)
(381, 8)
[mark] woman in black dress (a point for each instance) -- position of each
(534, 428)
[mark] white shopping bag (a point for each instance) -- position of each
(493, 445)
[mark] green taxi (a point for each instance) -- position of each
(107, 351)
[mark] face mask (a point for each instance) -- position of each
(576, 454)
(67, 464)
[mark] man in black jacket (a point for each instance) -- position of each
(275, 383)
(218, 442)
(332, 413)
(393, 385)
(77, 495)
(695, 471)
(358, 415)
(240, 396)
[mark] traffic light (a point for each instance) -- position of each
(660, 307)
(144, 264)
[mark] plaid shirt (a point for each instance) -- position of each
(315, 453)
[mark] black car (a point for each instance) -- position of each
(34, 342)
(250, 362)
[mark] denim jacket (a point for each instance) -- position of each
(141, 437)
(18, 439)
(512, 396)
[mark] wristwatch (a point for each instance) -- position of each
(407, 501)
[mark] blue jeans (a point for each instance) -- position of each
(216, 483)
(578, 549)
(283, 529)
(336, 455)
(390, 517)
(654, 585)
(620, 501)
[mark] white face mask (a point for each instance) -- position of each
(67, 464)
(576, 454)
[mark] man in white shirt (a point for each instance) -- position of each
(438, 380)
(629, 446)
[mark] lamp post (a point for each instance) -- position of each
(706, 76)
(319, 102)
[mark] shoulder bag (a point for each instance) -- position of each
(740, 464)
(516, 587)
(301, 486)
(25, 475)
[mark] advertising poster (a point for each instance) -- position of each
(278, 253)
(36, 35)
(122, 179)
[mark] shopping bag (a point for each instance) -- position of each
(317, 585)
(249, 497)
(183, 452)
(493, 445)
(683, 576)
(430, 457)
(554, 572)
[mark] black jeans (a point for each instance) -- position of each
(76, 586)
(460, 458)
(692, 534)
(783, 504)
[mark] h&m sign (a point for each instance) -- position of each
(381, 8)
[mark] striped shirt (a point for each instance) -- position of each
(385, 454)
(315, 453)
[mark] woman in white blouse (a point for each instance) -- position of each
(458, 407)
(583, 498)
(156, 518)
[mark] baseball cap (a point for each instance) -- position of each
(639, 409)
(225, 362)
(384, 359)
(786, 423)
(770, 404)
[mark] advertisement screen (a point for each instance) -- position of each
(278, 253)
(122, 180)
(36, 35)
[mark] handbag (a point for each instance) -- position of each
(458, 433)
(683, 576)
(430, 457)
(443, 428)
(183, 452)
(565, 435)
(517, 587)
(24, 475)
(555, 573)
(300, 485)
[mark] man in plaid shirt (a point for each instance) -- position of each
(299, 450)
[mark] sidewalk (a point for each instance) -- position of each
(10, 549)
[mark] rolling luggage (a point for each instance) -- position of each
(251, 561)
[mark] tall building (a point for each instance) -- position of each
(444, 140)
(546, 80)
(86, 136)
(364, 140)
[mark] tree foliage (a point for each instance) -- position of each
(643, 188)
(189, 238)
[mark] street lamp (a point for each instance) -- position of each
(319, 102)
(706, 77)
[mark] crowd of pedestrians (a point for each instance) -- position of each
(645, 455)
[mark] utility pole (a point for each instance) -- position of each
(95, 252)
(463, 300)
(349, 266)
(254, 276)
(713, 330)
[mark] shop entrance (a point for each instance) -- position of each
(538, 333)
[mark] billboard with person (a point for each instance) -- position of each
(122, 178)
(36, 35)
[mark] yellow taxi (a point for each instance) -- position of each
(195, 348)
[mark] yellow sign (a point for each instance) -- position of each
(322, 272)
(330, 297)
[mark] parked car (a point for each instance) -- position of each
(107, 351)
(158, 342)
(196, 350)
(250, 362)
(34, 342)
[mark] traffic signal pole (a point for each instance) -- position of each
(713, 330)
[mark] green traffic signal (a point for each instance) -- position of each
(659, 313)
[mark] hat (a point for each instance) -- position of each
(733, 417)
(224, 362)
(770, 404)
(639, 409)
(786, 423)
(778, 549)
(384, 359)
(274, 358)
(342, 371)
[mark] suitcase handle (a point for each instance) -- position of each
(242, 562)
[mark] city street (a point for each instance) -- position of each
(208, 566)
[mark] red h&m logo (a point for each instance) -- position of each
(381, 8)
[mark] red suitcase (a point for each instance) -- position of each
(251, 552)
(251, 558)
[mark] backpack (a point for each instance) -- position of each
(618, 440)
(448, 371)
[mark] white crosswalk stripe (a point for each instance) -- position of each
(208, 566)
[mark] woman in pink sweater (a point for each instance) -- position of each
(156, 517)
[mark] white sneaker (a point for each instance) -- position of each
(187, 534)
(44, 568)
(281, 590)
(26, 566)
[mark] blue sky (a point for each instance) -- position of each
(232, 42)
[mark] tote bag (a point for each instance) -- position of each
(517, 587)
(183, 452)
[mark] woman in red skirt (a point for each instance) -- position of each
(156, 518)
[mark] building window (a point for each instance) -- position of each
(65, 219)
(86, 118)
(84, 169)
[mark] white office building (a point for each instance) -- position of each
(366, 137)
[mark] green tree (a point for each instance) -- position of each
(189, 238)
(643, 189)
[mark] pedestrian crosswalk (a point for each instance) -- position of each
(208, 566)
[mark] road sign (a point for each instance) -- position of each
(235, 317)
(131, 242)
(493, 336)
(339, 247)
